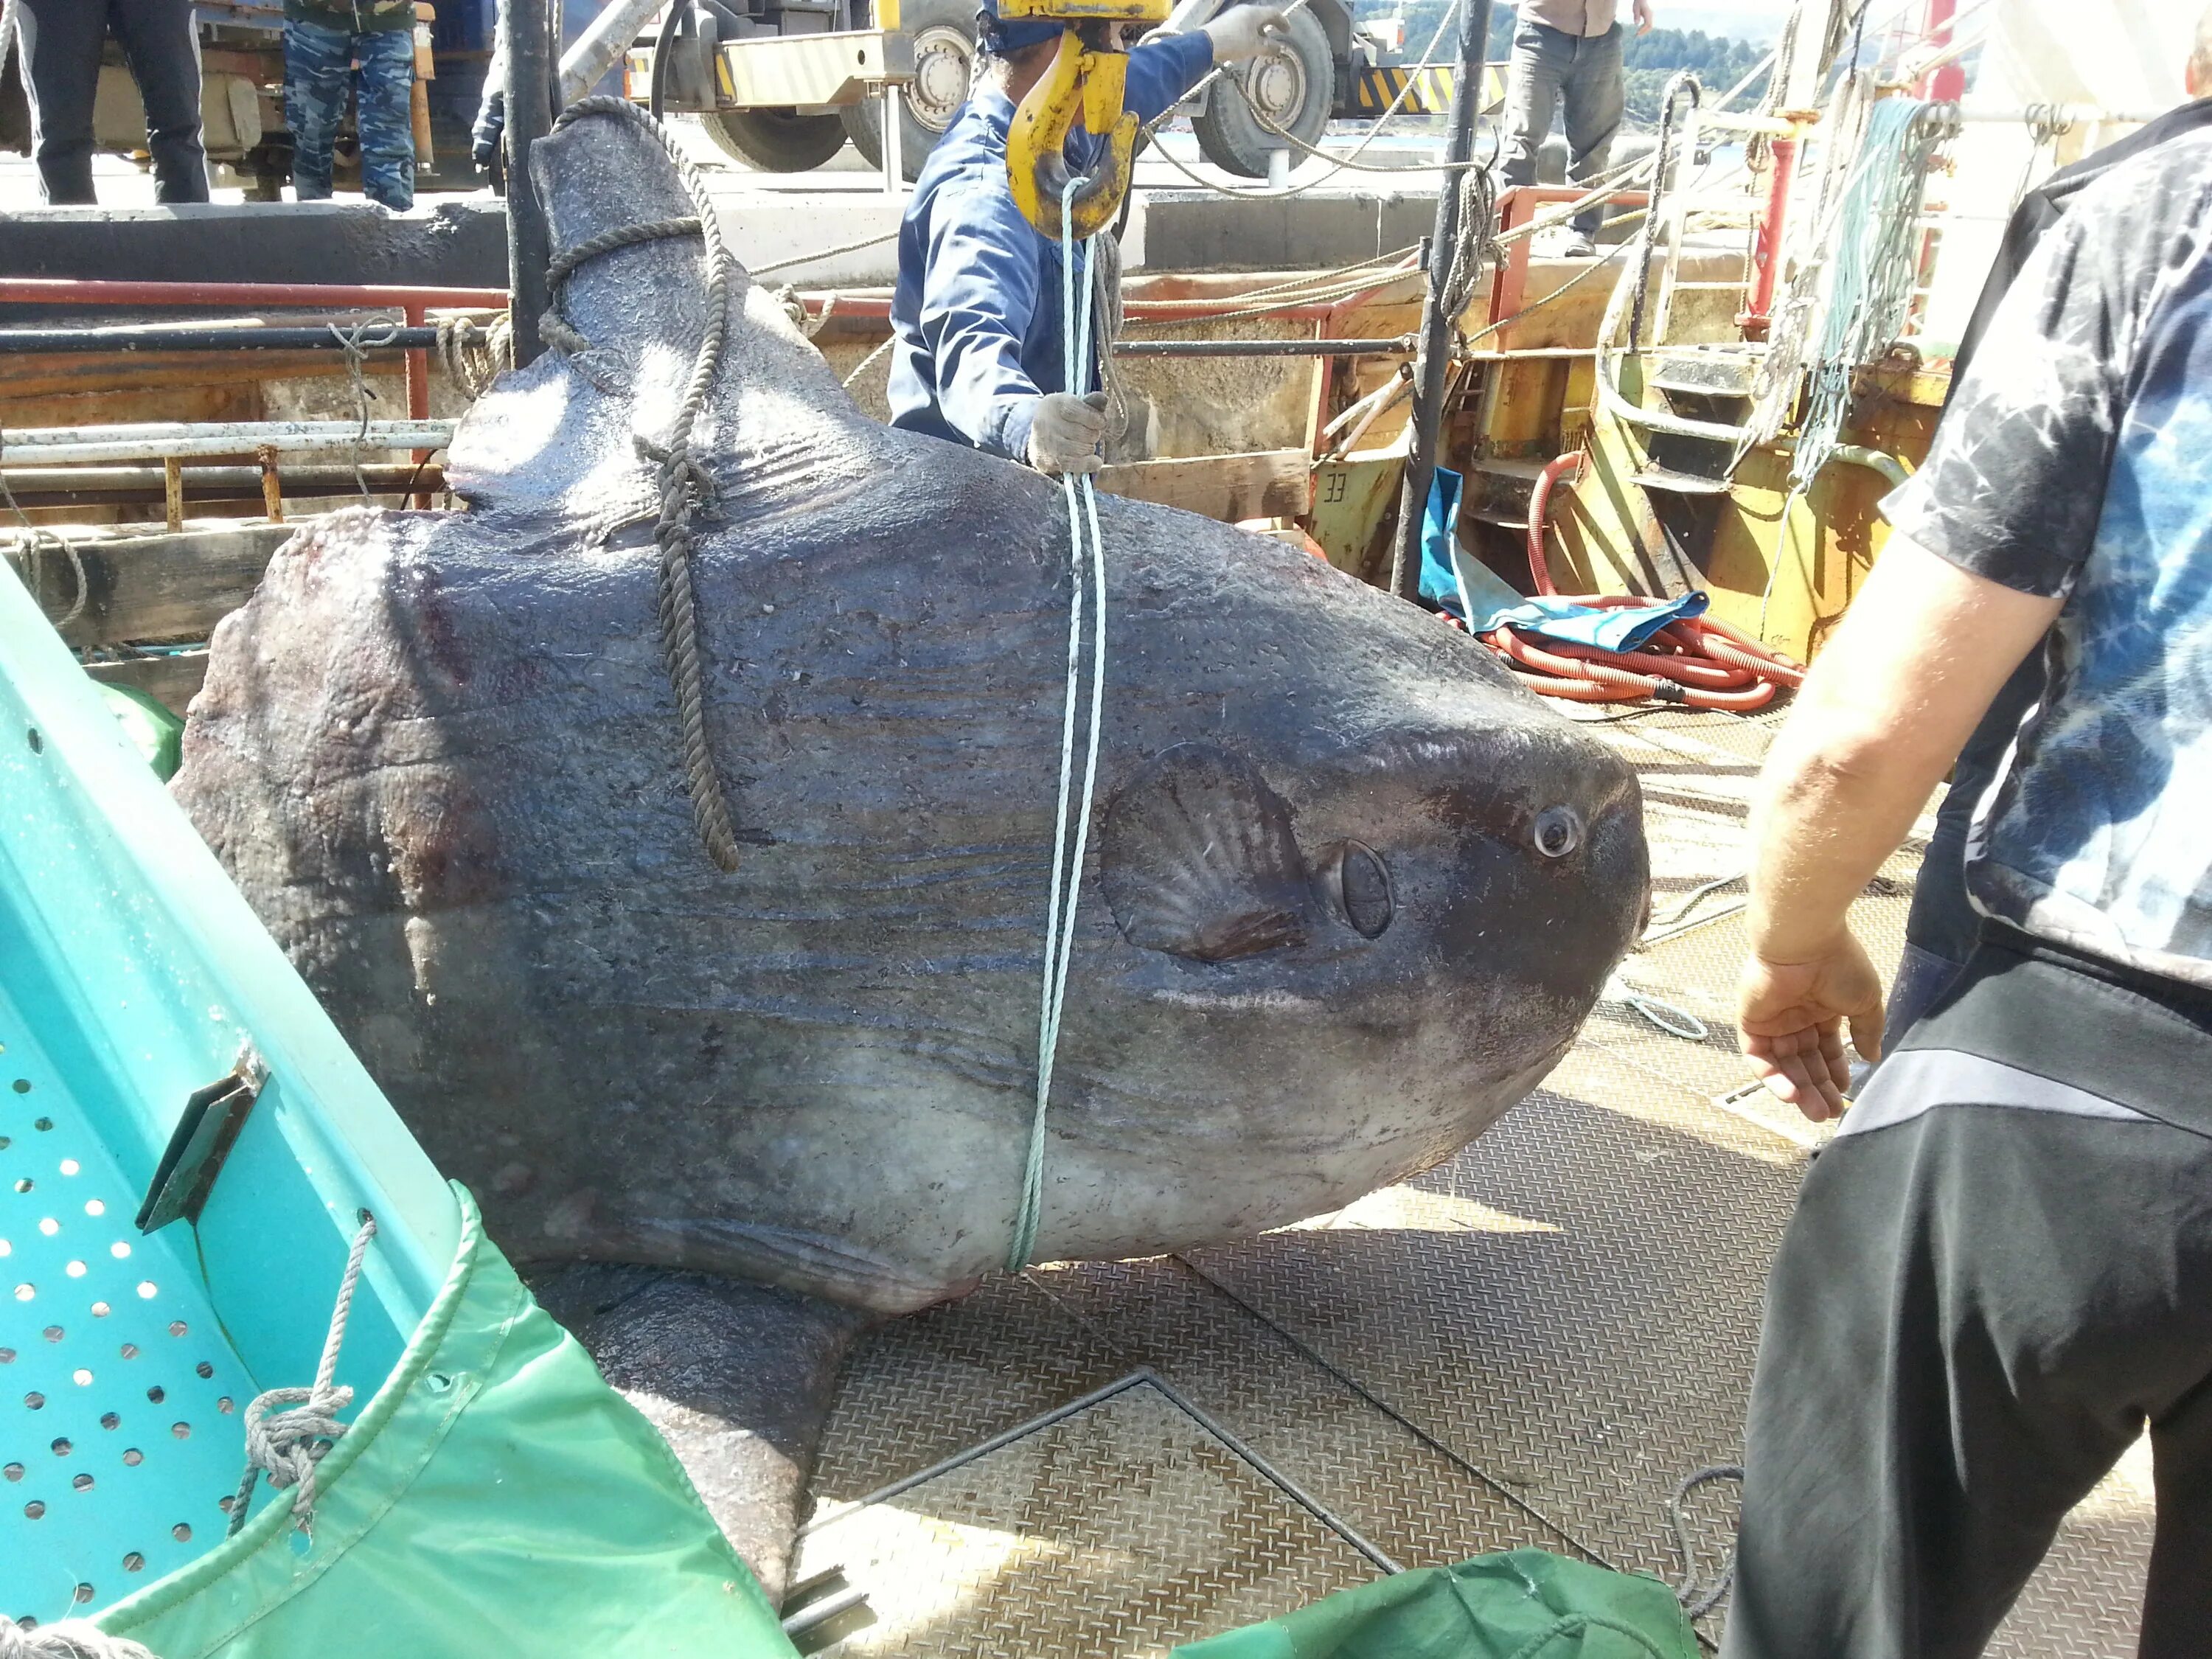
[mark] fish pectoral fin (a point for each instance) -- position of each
(736, 1377)
(1246, 935)
(1199, 858)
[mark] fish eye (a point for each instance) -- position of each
(1558, 831)
(1363, 889)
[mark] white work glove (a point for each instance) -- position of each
(1242, 31)
(1065, 432)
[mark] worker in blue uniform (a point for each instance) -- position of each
(976, 316)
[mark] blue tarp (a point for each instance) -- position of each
(1438, 586)
(1607, 628)
(1624, 629)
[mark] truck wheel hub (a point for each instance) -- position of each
(943, 61)
(1277, 83)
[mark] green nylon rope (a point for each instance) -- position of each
(1066, 867)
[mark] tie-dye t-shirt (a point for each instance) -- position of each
(2076, 459)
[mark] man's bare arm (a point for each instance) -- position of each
(1910, 671)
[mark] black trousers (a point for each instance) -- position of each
(61, 42)
(1999, 1273)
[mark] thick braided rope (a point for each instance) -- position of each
(72, 1638)
(685, 481)
(474, 355)
(1066, 862)
(607, 241)
(290, 1431)
(28, 554)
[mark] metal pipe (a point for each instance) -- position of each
(1398, 389)
(1766, 240)
(418, 384)
(1873, 460)
(1401, 342)
(2073, 114)
(1432, 367)
(1774, 126)
(177, 441)
(876, 307)
(821, 1613)
(170, 336)
(189, 296)
(1947, 84)
(131, 486)
(529, 118)
(602, 45)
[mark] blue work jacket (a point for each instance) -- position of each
(976, 313)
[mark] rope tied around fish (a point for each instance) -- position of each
(1082, 498)
(685, 485)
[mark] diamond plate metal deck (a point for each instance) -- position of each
(1530, 1344)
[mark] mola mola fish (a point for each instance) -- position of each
(1349, 892)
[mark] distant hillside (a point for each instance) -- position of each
(1650, 60)
(1760, 25)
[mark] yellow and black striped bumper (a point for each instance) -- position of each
(1373, 89)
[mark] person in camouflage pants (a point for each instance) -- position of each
(324, 40)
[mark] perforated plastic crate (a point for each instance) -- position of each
(132, 976)
(118, 1435)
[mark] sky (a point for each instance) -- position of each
(1747, 19)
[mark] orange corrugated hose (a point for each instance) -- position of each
(1698, 661)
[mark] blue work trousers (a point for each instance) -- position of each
(1549, 65)
(318, 65)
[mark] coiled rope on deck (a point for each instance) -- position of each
(1082, 498)
(686, 486)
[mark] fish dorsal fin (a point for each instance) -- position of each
(572, 435)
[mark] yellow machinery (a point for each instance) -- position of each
(1087, 79)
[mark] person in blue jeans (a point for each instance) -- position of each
(976, 318)
(324, 41)
(1567, 51)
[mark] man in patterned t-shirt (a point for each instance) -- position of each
(2000, 1272)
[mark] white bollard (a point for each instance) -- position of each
(894, 154)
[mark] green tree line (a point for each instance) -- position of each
(1649, 60)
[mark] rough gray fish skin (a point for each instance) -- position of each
(1351, 892)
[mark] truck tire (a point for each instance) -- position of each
(775, 140)
(1294, 83)
(945, 55)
